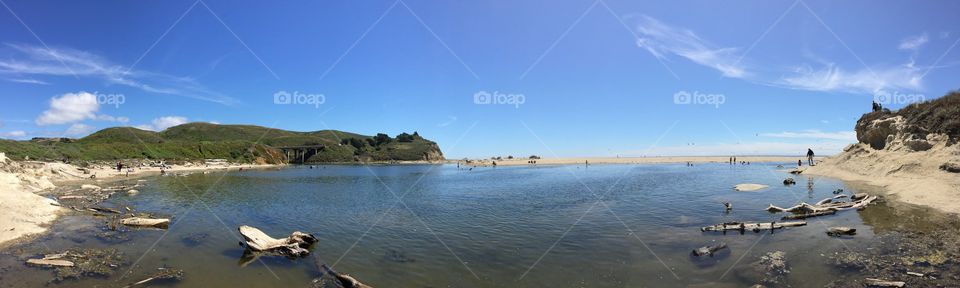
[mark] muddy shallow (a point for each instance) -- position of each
(498, 227)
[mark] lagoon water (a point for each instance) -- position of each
(437, 226)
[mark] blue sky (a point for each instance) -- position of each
(565, 78)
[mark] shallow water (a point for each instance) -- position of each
(437, 226)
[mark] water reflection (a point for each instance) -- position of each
(499, 222)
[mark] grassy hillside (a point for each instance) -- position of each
(242, 143)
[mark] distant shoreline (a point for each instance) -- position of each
(632, 160)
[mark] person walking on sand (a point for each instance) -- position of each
(809, 156)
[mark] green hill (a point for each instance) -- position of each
(240, 143)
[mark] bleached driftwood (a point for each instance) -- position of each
(294, 245)
(873, 282)
(752, 226)
(859, 196)
(809, 215)
(708, 250)
(146, 222)
(51, 260)
(838, 231)
(824, 205)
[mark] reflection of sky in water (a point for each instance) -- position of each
(498, 221)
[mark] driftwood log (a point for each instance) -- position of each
(873, 282)
(51, 260)
(809, 215)
(825, 205)
(346, 280)
(859, 196)
(741, 226)
(294, 245)
(708, 250)
(839, 231)
(146, 222)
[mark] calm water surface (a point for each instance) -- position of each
(548, 226)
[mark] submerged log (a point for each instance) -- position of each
(708, 250)
(145, 222)
(740, 226)
(346, 280)
(809, 215)
(838, 231)
(294, 245)
(873, 282)
(104, 210)
(50, 262)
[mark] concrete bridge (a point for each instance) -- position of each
(300, 154)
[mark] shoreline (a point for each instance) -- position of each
(910, 177)
(631, 160)
(27, 209)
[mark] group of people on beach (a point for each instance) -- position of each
(733, 160)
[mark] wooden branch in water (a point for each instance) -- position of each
(51, 260)
(809, 215)
(347, 280)
(752, 226)
(294, 245)
(708, 250)
(838, 231)
(873, 282)
(145, 222)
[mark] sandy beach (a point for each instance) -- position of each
(24, 212)
(634, 160)
(909, 176)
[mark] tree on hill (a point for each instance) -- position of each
(404, 137)
(381, 139)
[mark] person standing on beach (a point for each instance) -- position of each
(810, 156)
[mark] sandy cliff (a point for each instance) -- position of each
(913, 153)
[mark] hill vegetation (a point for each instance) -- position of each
(239, 143)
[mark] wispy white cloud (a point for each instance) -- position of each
(162, 123)
(831, 77)
(914, 42)
(28, 81)
(661, 39)
(850, 136)
(40, 61)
